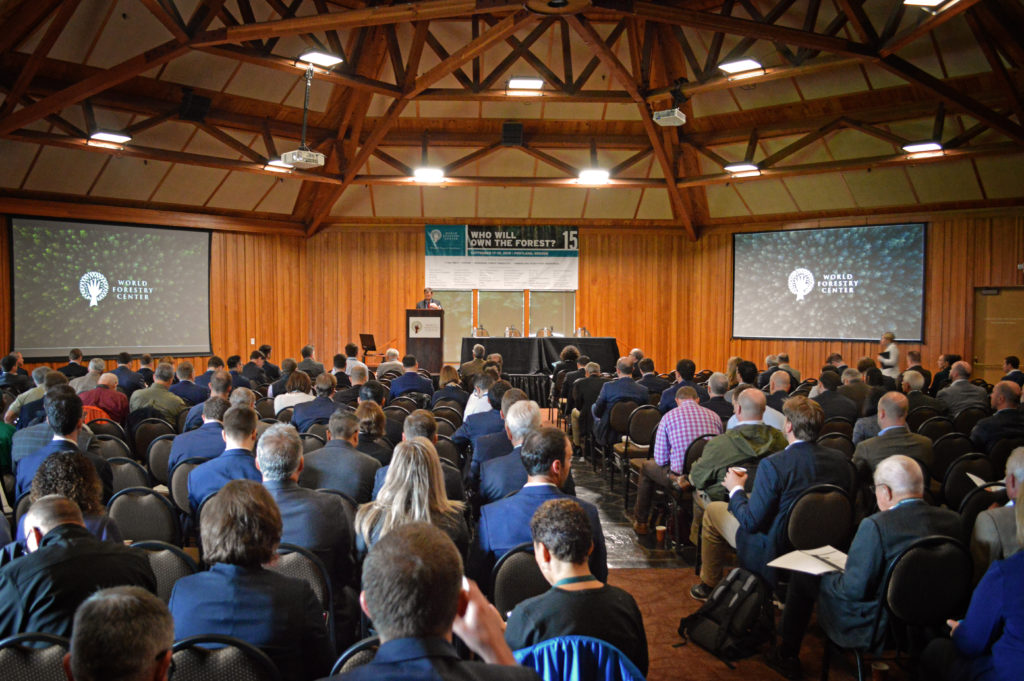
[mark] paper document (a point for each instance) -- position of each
(814, 562)
(976, 480)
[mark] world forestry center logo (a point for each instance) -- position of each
(93, 287)
(801, 282)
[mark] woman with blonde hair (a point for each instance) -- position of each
(731, 372)
(413, 491)
(889, 355)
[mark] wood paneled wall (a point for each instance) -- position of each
(656, 290)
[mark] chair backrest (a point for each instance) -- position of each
(445, 427)
(839, 441)
(936, 427)
(696, 450)
(144, 514)
(301, 563)
(179, 482)
(147, 430)
(112, 446)
(1001, 452)
(978, 500)
(450, 404)
(822, 515)
(358, 654)
(453, 415)
(919, 415)
(181, 420)
(618, 420)
(447, 450)
(837, 424)
(643, 424)
(310, 442)
(285, 415)
(265, 407)
(929, 582)
(127, 473)
(169, 564)
(515, 578)
(319, 429)
(948, 449)
(569, 658)
(107, 427)
(209, 657)
(966, 419)
(21, 506)
(956, 485)
(22, 658)
(406, 403)
(158, 458)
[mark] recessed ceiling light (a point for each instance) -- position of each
(110, 136)
(742, 68)
(923, 3)
(427, 175)
(594, 176)
(320, 59)
(918, 147)
(740, 168)
(521, 83)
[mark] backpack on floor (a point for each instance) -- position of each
(736, 619)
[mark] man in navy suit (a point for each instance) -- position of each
(220, 386)
(74, 368)
(186, 388)
(1011, 365)
(1006, 422)
(207, 441)
(64, 416)
(421, 423)
(410, 381)
(622, 389)
(128, 380)
(320, 407)
(272, 371)
(319, 522)
(505, 524)
(649, 379)
(212, 365)
(831, 401)
(235, 463)
(234, 367)
(756, 525)
(254, 369)
(503, 474)
(485, 422)
(685, 371)
(491, 446)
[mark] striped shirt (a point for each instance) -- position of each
(679, 428)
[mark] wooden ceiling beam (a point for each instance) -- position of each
(854, 11)
(496, 181)
(773, 15)
(167, 14)
(203, 15)
(28, 72)
(333, 39)
(995, 62)
(530, 58)
(151, 122)
(472, 157)
(393, 162)
(54, 119)
(925, 27)
(443, 55)
(630, 162)
(594, 62)
(572, 171)
(21, 19)
(232, 143)
(513, 56)
(799, 144)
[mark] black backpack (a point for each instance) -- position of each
(736, 619)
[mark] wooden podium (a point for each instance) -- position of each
(424, 338)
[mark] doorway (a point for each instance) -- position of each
(998, 330)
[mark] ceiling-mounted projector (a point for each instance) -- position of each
(303, 158)
(670, 117)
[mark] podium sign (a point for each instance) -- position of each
(424, 337)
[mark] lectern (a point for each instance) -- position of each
(424, 337)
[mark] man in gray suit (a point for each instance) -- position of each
(995, 530)
(855, 388)
(914, 384)
(894, 438)
(961, 394)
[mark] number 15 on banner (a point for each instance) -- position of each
(570, 242)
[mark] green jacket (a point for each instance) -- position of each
(742, 444)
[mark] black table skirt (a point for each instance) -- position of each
(536, 355)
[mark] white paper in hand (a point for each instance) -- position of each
(814, 561)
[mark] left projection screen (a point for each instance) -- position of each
(108, 288)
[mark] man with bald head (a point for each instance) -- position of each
(779, 387)
(893, 438)
(65, 565)
(106, 396)
(961, 393)
(849, 602)
(1006, 422)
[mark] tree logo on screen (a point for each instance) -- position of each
(93, 287)
(801, 282)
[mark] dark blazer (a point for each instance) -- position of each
(342, 380)
(203, 379)
(376, 447)
(190, 392)
(654, 383)
(338, 465)
(307, 413)
(31, 414)
(207, 442)
(1017, 376)
(450, 393)
(1005, 423)
(919, 369)
(272, 371)
(962, 394)
(836, 404)
(311, 367)
(776, 399)
(238, 380)
(857, 391)
(453, 488)
(765, 376)
(780, 479)
(40, 591)
(488, 447)
(613, 392)
(405, 659)
(720, 406)
(475, 426)
(425, 304)
(194, 417)
(849, 601)
(28, 441)
(26, 468)
(15, 382)
(668, 396)
(940, 381)
(411, 382)
(129, 380)
(278, 614)
(505, 524)
(254, 373)
(501, 475)
(917, 398)
(873, 451)
(73, 370)
(570, 379)
(279, 387)
(147, 375)
(349, 395)
(207, 478)
(584, 395)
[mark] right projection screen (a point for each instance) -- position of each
(846, 283)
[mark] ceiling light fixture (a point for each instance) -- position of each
(919, 147)
(110, 136)
(525, 83)
(741, 168)
(318, 58)
(428, 175)
(594, 176)
(278, 166)
(742, 68)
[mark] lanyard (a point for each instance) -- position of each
(576, 580)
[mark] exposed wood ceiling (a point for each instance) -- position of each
(846, 84)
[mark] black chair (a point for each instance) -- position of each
(948, 449)
(285, 415)
(179, 482)
(301, 563)
(936, 427)
(319, 428)
(147, 430)
(33, 657)
(838, 441)
(965, 420)
(407, 403)
(211, 656)
(396, 413)
(144, 514)
(1001, 452)
(980, 499)
(919, 415)
(169, 564)
(453, 415)
(111, 446)
(265, 407)
(447, 450)
(640, 432)
(515, 578)
(822, 515)
(956, 485)
(928, 582)
(695, 451)
(445, 427)
(618, 425)
(311, 442)
(21, 507)
(127, 473)
(182, 419)
(837, 424)
(358, 654)
(450, 404)
(158, 458)
(107, 427)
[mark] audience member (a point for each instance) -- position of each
(213, 365)
(478, 401)
(186, 388)
(234, 364)
(854, 388)
(240, 529)
(893, 438)
(146, 368)
(474, 366)
(685, 371)
(504, 474)
(10, 379)
(220, 386)
(158, 396)
(771, 364)
(272, 371)
(480, 424)
(320, 408)
(30, 395)
(914, 383)
(338, 465)
(577, 603)
(778, 388)
(207, 441)
(622, 389)
(391, 362)
(351, 358)
(650, 379)
(280, 386)
(784, 366)
(914, 364)
(235, 462)
(450, 388)
(410, 381)
(1006, 422)
(374, 391)
(748, 378)
(566, 360)
(771, 417)
(961, 393)
(309, 365)
(867, 426)
(995, 536)
(832, 402)
(298, 391)
(716, 402)
(941, 378)
(34, 412)
(570, 380)
(129, 380)
(372, 424)
(1011, 365)
(584, 394)
(421, 423)
(253, 369)
(496, 444)
(107, 397)
(74, 368)
(350, 394)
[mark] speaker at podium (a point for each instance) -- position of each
(424, 338)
